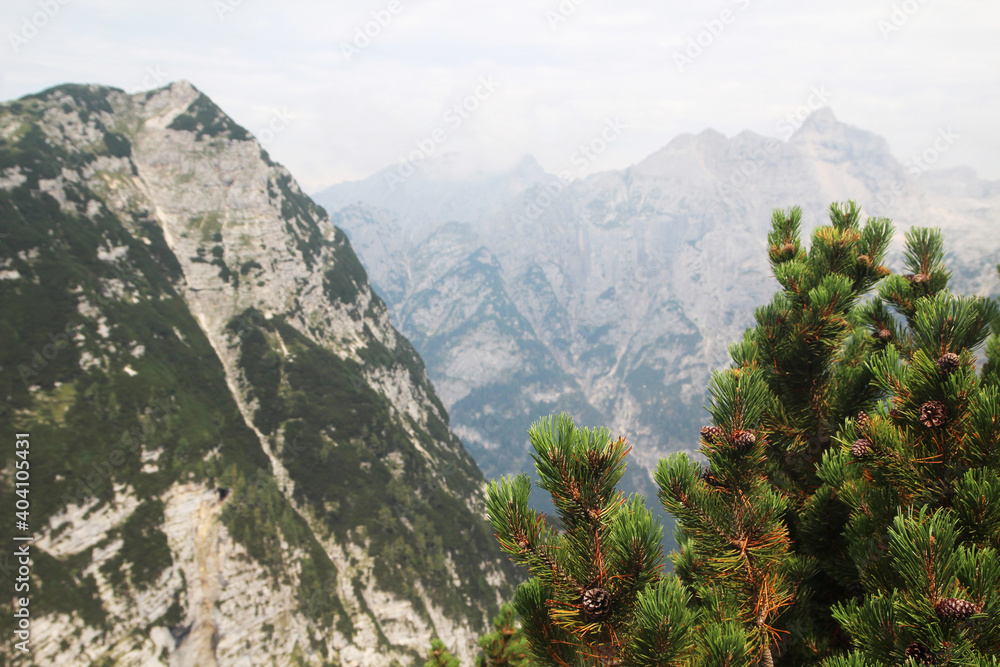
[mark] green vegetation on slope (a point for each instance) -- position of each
(104, 363)
(355, 466)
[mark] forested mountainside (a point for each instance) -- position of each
(235, 458)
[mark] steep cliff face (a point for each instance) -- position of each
(236, 459)
(623, 290)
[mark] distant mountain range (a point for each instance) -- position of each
(235, 459)
(237, 455)
(615, 296)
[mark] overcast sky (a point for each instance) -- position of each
(334, 104)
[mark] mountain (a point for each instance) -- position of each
(613, 297)
(235, 458)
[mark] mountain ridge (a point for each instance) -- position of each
(285, 484)
(633, 282)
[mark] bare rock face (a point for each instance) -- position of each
(244, 462)
(613, 297)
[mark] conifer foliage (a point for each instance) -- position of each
(924, 526)
(597, 595)
(440, 656)
(849, 509)
(506, 646)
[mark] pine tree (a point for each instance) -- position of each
(867, 423)
(795, 376)
(440, 656)
(924, 527)
(506, 645)
(597, 595)
(849, 511)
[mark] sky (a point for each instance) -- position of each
(338, 90)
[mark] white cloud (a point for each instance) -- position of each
(940, 68)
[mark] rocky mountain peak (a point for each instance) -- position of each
(684, 152)
(821, 136)
(243, 459)
(820, 121)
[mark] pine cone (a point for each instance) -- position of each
(788, 249)
(933, 413)
(712, 434)
(596, 604)
(920, 654)
(920, 279)
(882, 270)
(862, 420)
(864, 260)
(955, 609)
(895, 414)
(744, 439)
(861, 448)
(948, 362)
(883, 335)
(710, 479)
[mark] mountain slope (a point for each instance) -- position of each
(235, 458)
(628, 285)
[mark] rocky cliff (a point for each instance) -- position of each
(235, 458)
(614, 296)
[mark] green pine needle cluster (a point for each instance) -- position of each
(597, 594)
(847, 511)
(440, 656)
(506, 646)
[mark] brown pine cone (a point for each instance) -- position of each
(955, 609)
(862, 420)
(596, 604)
(744, 439)
(933, 413)
(712, 434)
(948, 362)
(920, 279)
(710, 479)
(883, 335)
(921, 654)
(861, 448)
